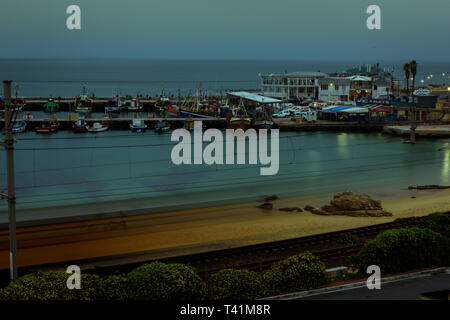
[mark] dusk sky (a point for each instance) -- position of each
(232, 29)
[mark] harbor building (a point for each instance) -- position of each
(350, 85)
(299, 85)
(334, 89)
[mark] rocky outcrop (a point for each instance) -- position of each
(351, 204)
(429, 187)
(266, 206)
(290, 209)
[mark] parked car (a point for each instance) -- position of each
(282, 114)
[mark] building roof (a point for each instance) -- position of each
(254, 97)
(337, 80)
(305, 74)
(360, 78)
(347, 109)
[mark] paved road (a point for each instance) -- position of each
(406, 289)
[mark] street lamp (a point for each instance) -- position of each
(448, 95)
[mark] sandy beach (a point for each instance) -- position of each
(160, 235)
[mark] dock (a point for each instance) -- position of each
(421, 130)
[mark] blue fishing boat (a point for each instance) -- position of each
(19, 127)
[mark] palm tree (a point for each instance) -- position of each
(413, 68)
(407, 68)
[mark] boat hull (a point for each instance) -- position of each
(237, 123)
(138, 128)
(263, 124)
(79, 129)
(19, 127)
(187, 114)
(83, 109)
(46, 129)
(94, 130)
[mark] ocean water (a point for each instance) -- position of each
(66, 168)
(65, 78)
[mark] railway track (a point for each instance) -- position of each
(256, 257)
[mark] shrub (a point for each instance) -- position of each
(51, 286)
(404, 249)
(159, 281)
(347, 238)
(301, 272)
(438, 222)
(230, 284)
(114, 288)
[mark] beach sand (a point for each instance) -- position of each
(167, 234)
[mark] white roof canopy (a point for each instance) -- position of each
(254, 97)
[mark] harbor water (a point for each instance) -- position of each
(69, 169)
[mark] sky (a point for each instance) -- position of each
(231, 29)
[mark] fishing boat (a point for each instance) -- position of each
(80, 126)
(162, 126)
(51, 106)
(161, 102)
(115, 105)
(172, 111)
(138, 125)
(262, 120)
(48, 126)
(262, 124)
(83, 104)
(239, 119)
(20, 126)
(97, 127)
(17, 104)
(134, 104)
(239, 123)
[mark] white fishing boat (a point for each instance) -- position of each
(138, 125)
(97, 127)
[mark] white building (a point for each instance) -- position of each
(381, 88)
(292, 85)
(334, 89)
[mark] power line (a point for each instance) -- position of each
(238, 178)
(295, 178)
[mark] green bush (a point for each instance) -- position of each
(51, 286)
(399, 250)
(159, 281)
(301, 272)
(347, 238)
(114, 288)
(230, 284)
(438, 222)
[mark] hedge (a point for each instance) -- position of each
(399, 250)
(51, 286)
(438, 222)
(230, 284)
(159, 281)
(301, 272)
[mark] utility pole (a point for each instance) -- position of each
(8, 143)
(412, 138)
